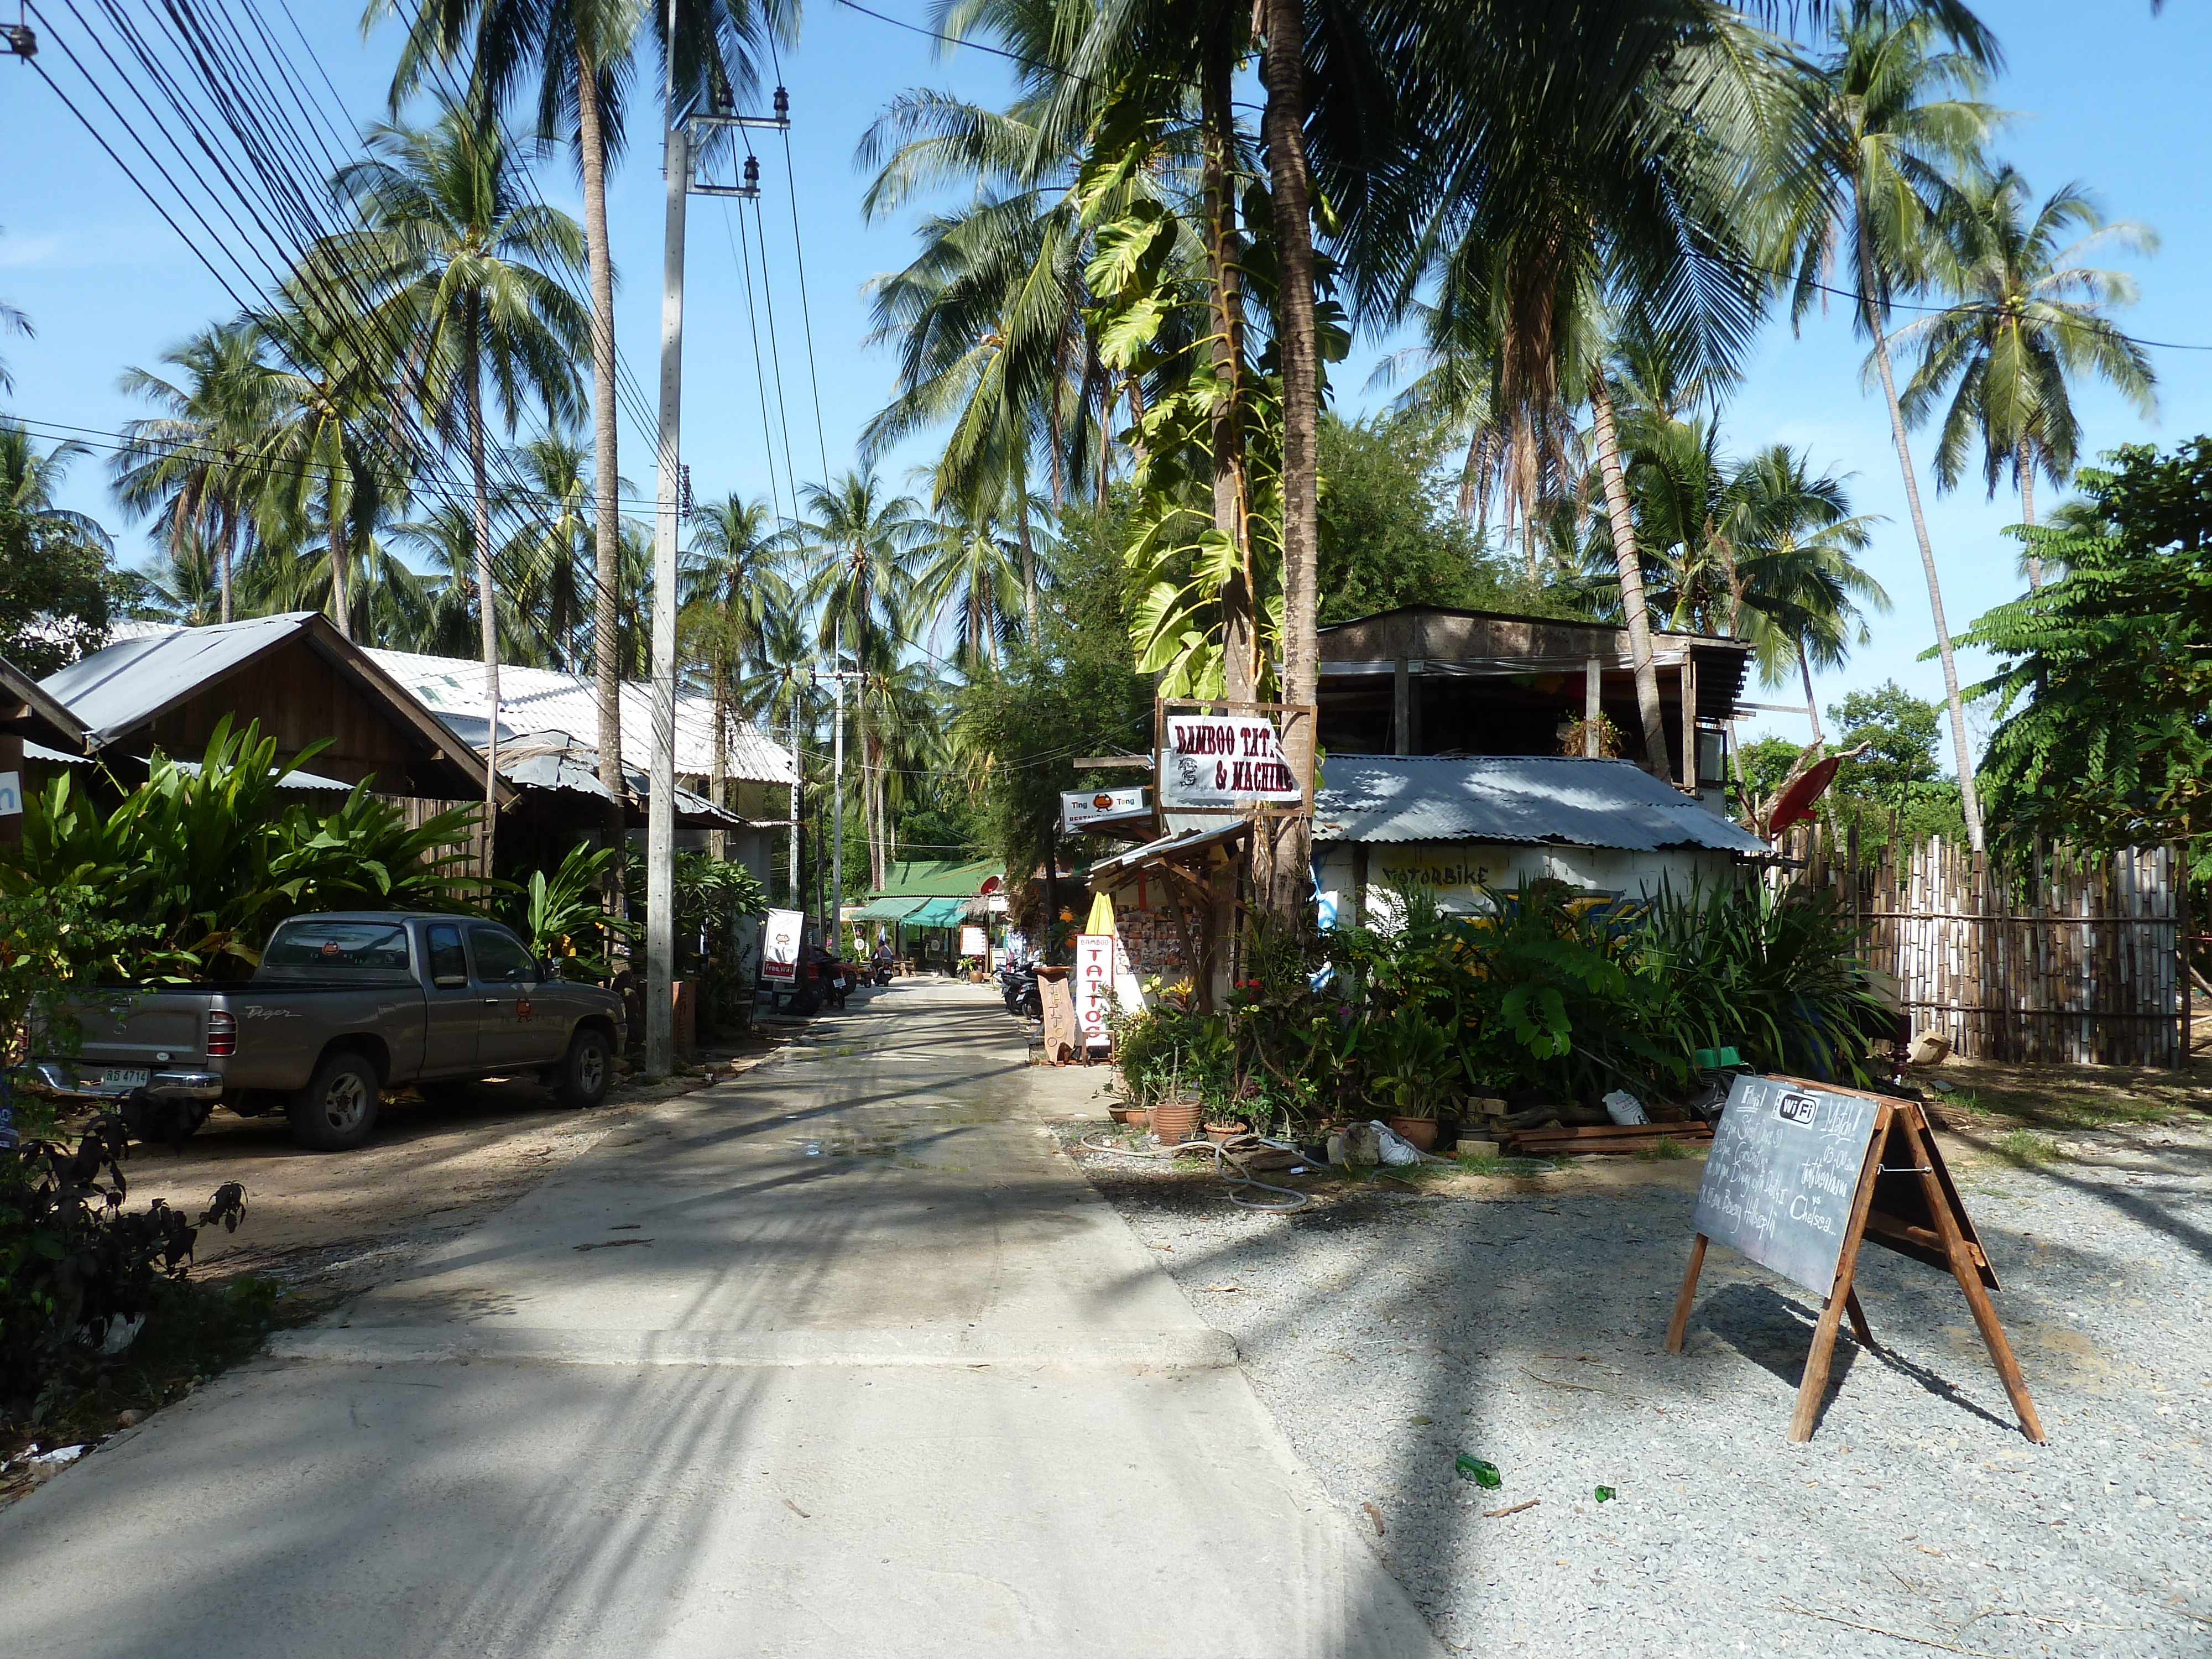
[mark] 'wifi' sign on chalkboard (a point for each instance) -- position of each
(1783, 1173)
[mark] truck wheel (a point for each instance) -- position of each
(588, 1071)
(338, 1108)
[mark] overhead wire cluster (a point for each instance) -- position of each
(210, 116)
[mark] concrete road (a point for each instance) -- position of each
(841, 1358)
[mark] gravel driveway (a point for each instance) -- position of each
(1523, 1324)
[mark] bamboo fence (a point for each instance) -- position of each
(2071, 958)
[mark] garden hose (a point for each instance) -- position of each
(1228, 1171)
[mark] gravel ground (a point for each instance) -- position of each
(1523, 1323)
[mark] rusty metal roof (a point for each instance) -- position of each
(1530, 799)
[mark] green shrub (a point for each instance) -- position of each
(1775, 977)
(74, 1261)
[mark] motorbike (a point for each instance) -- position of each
(836, 982)
(1018, 984)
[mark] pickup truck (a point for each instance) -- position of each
(343, 1009)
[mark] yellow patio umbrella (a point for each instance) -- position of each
(1102, 915)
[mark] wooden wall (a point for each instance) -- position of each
(300, 699)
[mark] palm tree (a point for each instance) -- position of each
(974, 574)
(466, 277)
(988, 319)
(580, 52)
(1897, 114)
(1793, 544)
(182, 587)
(187, 463)
(868, 543)
(548, 556)
(57, 562)
(733, 587)
(2028, 317)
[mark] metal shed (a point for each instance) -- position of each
(1458, 825)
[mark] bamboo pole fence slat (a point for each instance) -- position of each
(2071, 958)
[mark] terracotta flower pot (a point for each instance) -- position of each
(1136, 1116)
(1419, 1132)
(1175, 1121)
(1218, 1133)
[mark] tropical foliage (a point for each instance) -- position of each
(2104, 677)
(195, 865)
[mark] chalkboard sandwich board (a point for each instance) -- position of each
(1799, 1175)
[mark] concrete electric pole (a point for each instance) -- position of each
(832, 922)
(660, 830)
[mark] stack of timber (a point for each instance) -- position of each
(1605, 1137)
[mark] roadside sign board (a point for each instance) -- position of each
(1801, 1175)
(972, 942)
(1078, 807)
(1784, 1170)
(780, 942)
(1220, 760)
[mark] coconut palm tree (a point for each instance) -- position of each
(1898, 122)
(57, 562)
(2028, 318)
(866, 542)
(465, 277)
(548, 556)
(580, 54)
(187, 463)
(327, 440)
(973, 574)
(733, 587)
(1800, 595)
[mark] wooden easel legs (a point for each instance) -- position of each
(1680, 1322)
(1970, 1280)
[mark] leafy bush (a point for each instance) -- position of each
(1774, 976)
(74, 1262)
(192, 870)
(1168, 1051)
(1545, 991)
(565, 918)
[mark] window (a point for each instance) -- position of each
(501, 959)
(321, 945)
(448, 967)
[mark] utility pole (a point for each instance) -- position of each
(839, 674)
(660, 830)
(792, 892)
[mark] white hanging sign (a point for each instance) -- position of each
(1078, 807)
(1221, 760)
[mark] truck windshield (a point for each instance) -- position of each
(319, 947)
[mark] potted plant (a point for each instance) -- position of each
(1414, 1071)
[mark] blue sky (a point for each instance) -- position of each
(2104, 93)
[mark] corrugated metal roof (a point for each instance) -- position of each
(121, 686)
(150, 665)
(937, 878)
(546, 700)
(1528, 800)
(38, 751)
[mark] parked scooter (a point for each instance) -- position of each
(1018, 984)
(837, 981)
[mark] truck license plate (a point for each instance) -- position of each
(134, 1077)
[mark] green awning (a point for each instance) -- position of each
(938, 912)
(888, 910)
